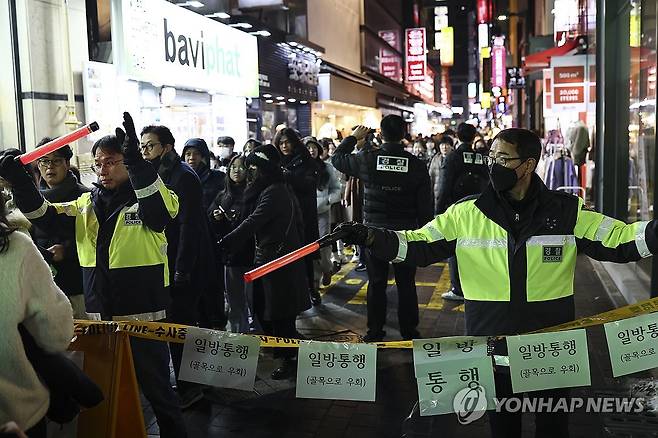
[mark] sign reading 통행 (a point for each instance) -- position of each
(632, 344)
(226, 360)
(453, 375)
(548, 360)
(331, 370)
(159, 42)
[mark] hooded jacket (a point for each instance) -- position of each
(212, 180)
(301, 173)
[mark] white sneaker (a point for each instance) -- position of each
(451, 296)
(355, 259)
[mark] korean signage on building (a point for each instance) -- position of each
(447, 47)
(416, 57)
(570, 84)
(162, 43)
(483, 11)
(390, 63)
(498, 73)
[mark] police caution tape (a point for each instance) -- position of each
(168, 332)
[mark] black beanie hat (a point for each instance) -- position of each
(266, 157)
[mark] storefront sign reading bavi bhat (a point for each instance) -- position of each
(156, 41)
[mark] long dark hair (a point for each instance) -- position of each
(5, 228)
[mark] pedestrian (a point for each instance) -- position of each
(464, 173)
(328, 193)
(397, 196)
(301, 173)
(29, 297)
(436, 165)
(274, 221)
(211, 302)
(189, 250)
(59, 184)
(507, 232)
(225, 152)
(197, 155)
(119, 230)
(227, 212)
(249, 146)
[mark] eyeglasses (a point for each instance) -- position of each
(45, 162)
(97, 167)
(489, 160)
(148, 146)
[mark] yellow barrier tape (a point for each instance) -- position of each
(168, 332)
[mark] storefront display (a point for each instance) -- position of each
(176, 68)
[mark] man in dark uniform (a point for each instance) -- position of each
(397, 195)
(463, 174)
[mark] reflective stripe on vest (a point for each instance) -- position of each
(132, 244)
(611, 232)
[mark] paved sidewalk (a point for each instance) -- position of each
(273, 411)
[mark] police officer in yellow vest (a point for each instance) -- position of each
(119, 232)
(520, 240)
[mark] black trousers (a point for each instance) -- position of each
(454, 276)
(281, 328)
(405, 281)
(212, 312)
(508, 424)
(183, 309)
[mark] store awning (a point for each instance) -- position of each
(541, 60)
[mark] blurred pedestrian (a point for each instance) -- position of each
(328, 193)
(225, 151)
(436, 166)
(249, 146)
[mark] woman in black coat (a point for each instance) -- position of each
(226, 213)
(279, 296)
(301, 173)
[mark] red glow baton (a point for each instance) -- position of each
(57, 143)
(292, 256)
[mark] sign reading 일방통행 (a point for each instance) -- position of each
(158, 42)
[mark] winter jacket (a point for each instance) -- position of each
(275, 224)
(120, 241)
(520, 256)
(301, 174)
(232, 200)
(330, 193)
(189, 245)
(397, 184)
(435, 169)
(68, 274)
(30, 297)
(212, 180)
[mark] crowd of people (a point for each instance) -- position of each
(168, 237)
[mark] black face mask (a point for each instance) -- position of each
(503, 178)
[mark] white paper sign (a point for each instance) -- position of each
(222, 359)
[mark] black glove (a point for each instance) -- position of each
(12, 170)
(355, 233)
(129, 141)
(225, 244)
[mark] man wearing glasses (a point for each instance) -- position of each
(59, 184)
(520, 241)
(122, 248)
